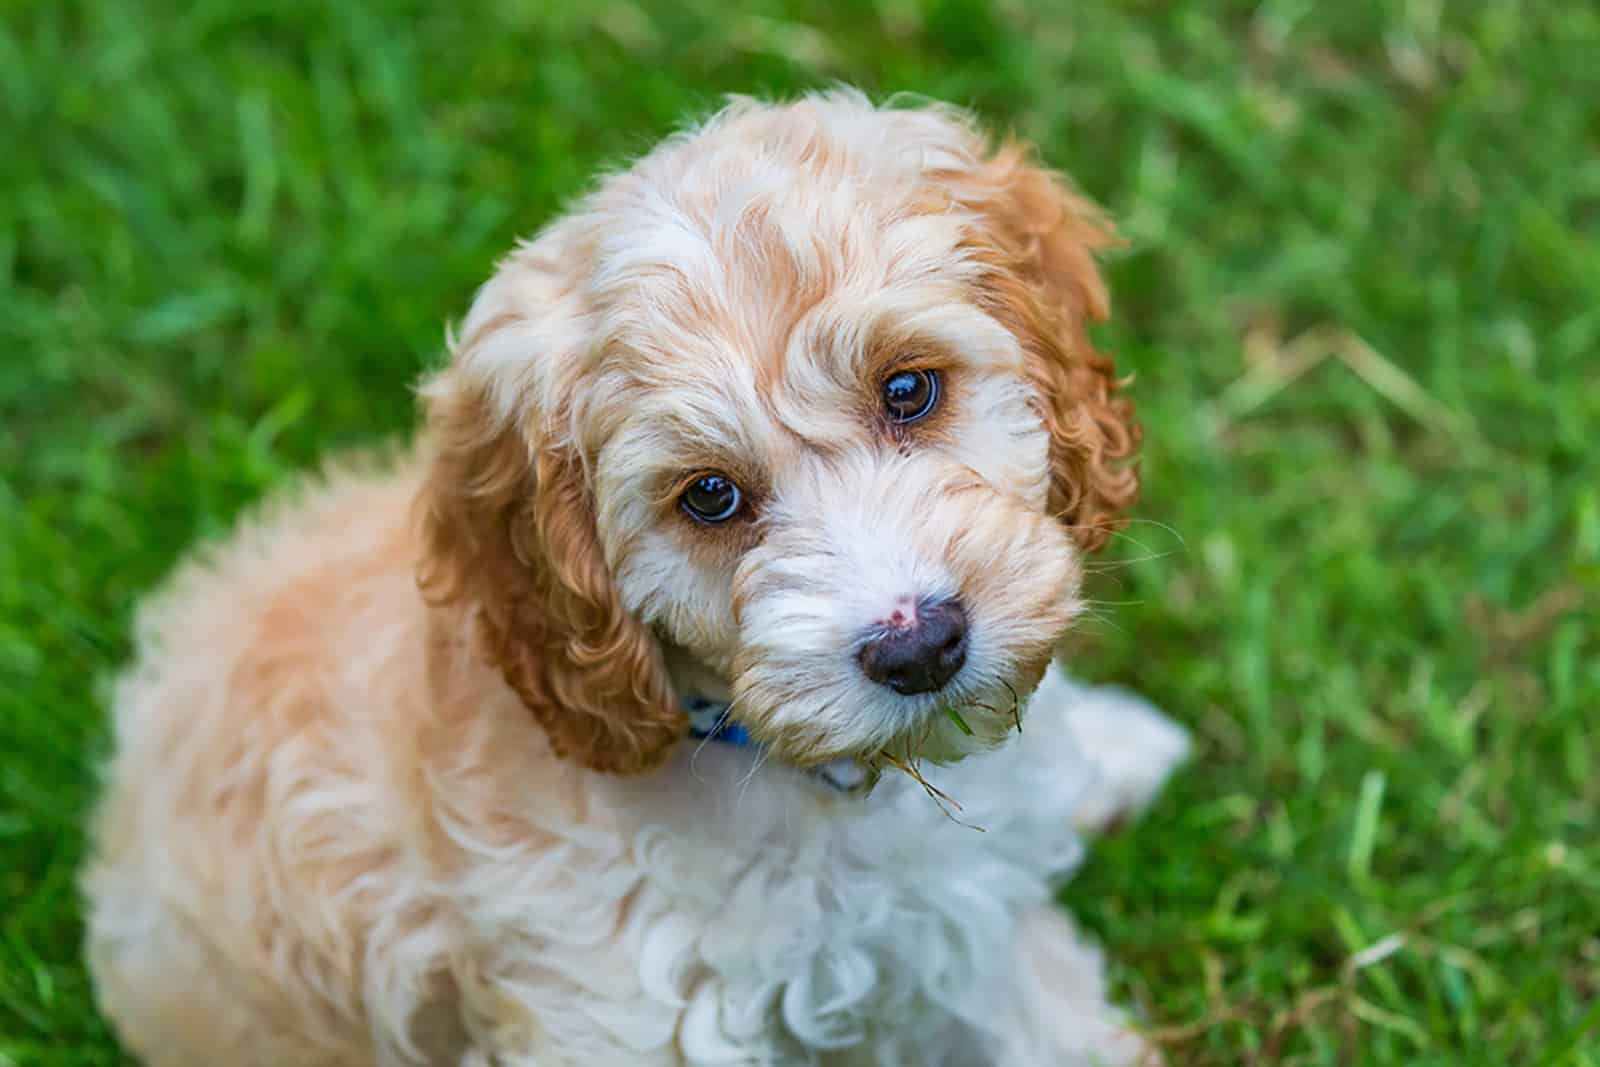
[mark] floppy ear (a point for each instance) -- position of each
(1040, 238)
(509, 539)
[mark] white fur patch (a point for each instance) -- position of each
(773, 920)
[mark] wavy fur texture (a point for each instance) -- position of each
(401, 771)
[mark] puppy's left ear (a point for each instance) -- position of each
(1039, 239)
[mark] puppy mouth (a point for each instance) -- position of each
(978, 713)
(881, 717)
(1011, 711)
(858, 774)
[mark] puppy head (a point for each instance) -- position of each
(802, 403)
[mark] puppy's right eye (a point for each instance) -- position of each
(909, 395)
(711, 498)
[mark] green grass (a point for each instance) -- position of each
(231, 234)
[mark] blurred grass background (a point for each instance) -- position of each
(1360, 295)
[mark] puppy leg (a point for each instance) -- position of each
(1060, 1015)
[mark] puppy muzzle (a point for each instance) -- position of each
(900, 604)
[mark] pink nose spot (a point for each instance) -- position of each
(904, 613)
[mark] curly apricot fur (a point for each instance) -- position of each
(508, 538)
(1040, 240)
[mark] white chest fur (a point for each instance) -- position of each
(749, 914)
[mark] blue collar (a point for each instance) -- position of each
(709, 721)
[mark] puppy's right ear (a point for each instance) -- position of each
(1040, 237)
(509, 544)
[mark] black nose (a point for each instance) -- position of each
(922, 656)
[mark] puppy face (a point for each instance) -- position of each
(802, 401)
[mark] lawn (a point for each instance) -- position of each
(1361, 293)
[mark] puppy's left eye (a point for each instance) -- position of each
(711, 498)
(909, 395)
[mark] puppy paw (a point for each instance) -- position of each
(1132, 747)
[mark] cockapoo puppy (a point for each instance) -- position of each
(756, 486)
